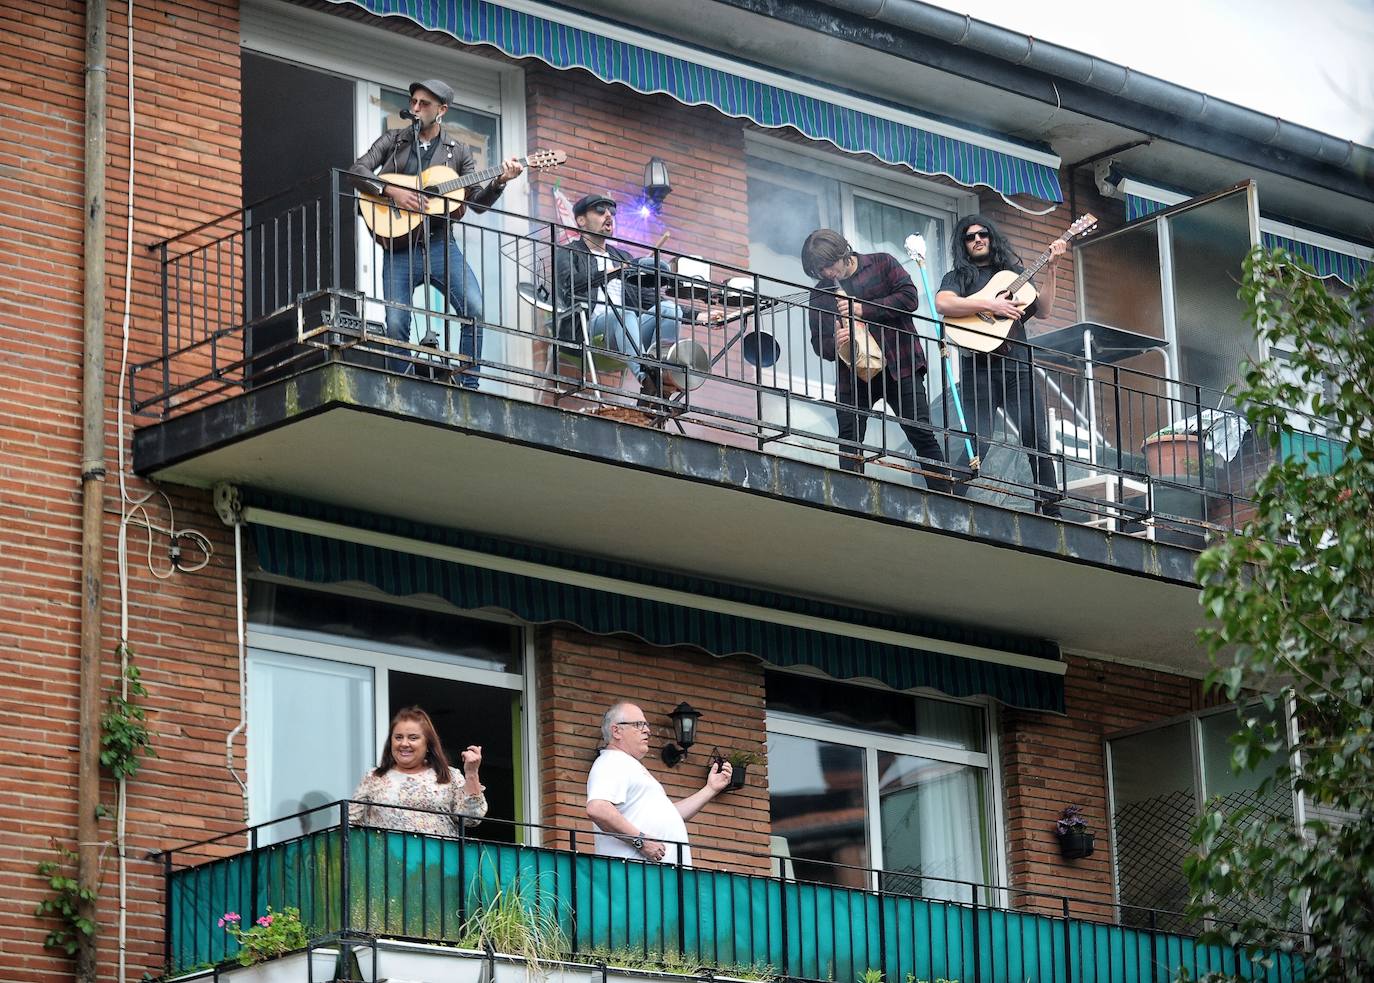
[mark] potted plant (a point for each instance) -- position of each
(274, 944)
(1186, 450)
(1075, 839)
(739, 766)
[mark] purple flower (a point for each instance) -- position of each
(1071, 821)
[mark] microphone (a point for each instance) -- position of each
(407, 114)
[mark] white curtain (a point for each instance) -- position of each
(933, 824)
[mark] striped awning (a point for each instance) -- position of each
(1139, 207)
(966, 157)
(1326, 262)
(1028, 673)
(1323, 260)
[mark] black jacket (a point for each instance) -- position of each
(576, 278)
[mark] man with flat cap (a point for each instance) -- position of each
(431, 254)
(626, 312)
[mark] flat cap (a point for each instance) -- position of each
(440, 90)
(587, 202)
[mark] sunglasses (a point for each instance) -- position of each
(602, 209)
(980, 234)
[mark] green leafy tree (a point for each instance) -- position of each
(1289, 602)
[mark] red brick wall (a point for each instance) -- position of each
(581, 675)
(182, 628)
(610, 132)
(1049, 762)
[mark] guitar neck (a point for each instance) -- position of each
(476, 177)
(1033, 269)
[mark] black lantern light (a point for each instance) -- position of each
(685, 730)
(656, 183)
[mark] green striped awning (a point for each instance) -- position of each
(316, 558)
(1139, 207)
(1326, 262)
(693, 82)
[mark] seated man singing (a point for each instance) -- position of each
(626, 313)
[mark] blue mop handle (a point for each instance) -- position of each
(944, 357)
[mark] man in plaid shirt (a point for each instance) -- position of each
(879, 293)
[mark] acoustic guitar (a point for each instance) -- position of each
(445, 192)
(985, 332)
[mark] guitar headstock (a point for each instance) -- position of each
(1082, 226)
(540, 159)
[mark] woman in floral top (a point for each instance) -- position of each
(414, 772)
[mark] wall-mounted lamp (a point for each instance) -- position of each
(685, 730)
(656, 183)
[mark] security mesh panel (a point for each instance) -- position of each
(1264, 808)
(1152, 841)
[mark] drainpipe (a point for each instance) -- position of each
(92, 482)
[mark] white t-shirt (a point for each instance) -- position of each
(625, 783)
(612, 292)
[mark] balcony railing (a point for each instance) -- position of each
(355, 885)
(274, 289)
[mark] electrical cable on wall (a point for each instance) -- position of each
(134, 511)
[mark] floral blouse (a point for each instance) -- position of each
(420, 790)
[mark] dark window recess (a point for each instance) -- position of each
(871, 708)
(491, 644)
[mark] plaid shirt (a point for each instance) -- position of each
(888, 297)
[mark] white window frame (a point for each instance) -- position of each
(871, 742)
(382, 660)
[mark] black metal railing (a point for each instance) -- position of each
(289, 283)
(357, 885)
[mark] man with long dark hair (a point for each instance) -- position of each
(874, 289)
(1003, 378)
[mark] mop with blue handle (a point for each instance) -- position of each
(916, 249)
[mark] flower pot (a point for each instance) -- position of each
(738, 773)
(432, 963)
(1176, 456)
(1075, 846)
(291, 968)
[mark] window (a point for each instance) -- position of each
(327, 671)
(863, 778)
(790, 195)
(1159, 779)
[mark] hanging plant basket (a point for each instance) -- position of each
(738, 773)
(1075, 846)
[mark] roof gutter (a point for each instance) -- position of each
(1162, 108)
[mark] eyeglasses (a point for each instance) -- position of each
(637, 724)
(980, 234)
(603, 209)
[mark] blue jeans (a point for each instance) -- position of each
(618, 324)
(403, 269)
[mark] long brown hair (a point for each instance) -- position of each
(434, 751)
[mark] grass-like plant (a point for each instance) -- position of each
(515, 920)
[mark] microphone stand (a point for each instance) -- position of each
(430, 337)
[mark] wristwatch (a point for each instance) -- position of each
(637, 842)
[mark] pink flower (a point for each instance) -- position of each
(229, 918)
(265, 920)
